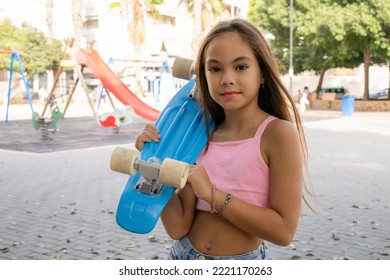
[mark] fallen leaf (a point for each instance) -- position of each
(152, 238)
(4, 250)
(334, 237)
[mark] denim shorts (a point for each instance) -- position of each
(183, 250)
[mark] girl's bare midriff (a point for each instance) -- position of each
(214, 235)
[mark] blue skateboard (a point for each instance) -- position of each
(161, 167)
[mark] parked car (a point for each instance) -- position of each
(382, 94)
(339, 91)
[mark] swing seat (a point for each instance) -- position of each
(108, 120)
(127, 115)
(117, 117)
(120, 117)
(124, 116)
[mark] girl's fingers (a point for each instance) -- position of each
(148, 134)
(151, 136)
(151, 132)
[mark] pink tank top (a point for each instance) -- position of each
(239, 168)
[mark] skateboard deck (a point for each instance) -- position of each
(183, 137)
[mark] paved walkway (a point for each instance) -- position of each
(58, 198)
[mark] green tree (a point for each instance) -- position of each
(323, 40)
(11, 38)
(317, 31)
(368, 31)
(38, 53)
(327, 33)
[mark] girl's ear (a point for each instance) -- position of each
(262, 81)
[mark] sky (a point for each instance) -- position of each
(34, 12)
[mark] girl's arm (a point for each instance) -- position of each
(277, 223)
(179, 213)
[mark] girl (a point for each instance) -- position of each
(246, 186)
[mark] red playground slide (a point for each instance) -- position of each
(112, 83)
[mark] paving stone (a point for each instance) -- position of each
(58, 198)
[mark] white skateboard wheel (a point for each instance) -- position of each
(174, 173)
(123, 160)
(183, 68)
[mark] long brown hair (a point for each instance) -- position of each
(273, 97)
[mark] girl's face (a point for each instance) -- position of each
(232, 72)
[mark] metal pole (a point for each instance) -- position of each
(291, 69)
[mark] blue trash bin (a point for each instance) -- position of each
(348, 105)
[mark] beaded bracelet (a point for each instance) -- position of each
(229, 198)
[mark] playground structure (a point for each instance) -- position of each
(15, 55)
(45, 124)
(115, 118)
(91, 59)
(161, 83)
(111, 83)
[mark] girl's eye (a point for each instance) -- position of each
(241, 67)
(213, 69)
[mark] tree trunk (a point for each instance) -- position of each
(77, 6)
(197, 29)
(49, 22)
(77, 21)
(321, 79)
(49, 17)
(138, 39)
(367, 62)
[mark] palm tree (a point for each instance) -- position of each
(205, 14)
(77, 20)
(134, 13)
(49, 16)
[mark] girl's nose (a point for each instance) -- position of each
(227, 78)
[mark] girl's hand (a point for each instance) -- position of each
(200, 182)
(148, 134)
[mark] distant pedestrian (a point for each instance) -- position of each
(299, 95)
(43, 94)
(303, 100)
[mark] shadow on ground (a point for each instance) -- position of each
(79, 133)
(72, 133)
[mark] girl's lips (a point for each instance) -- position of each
(230, 94)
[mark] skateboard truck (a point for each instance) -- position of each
(183, 137)
(155, 174)
(150, 171)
